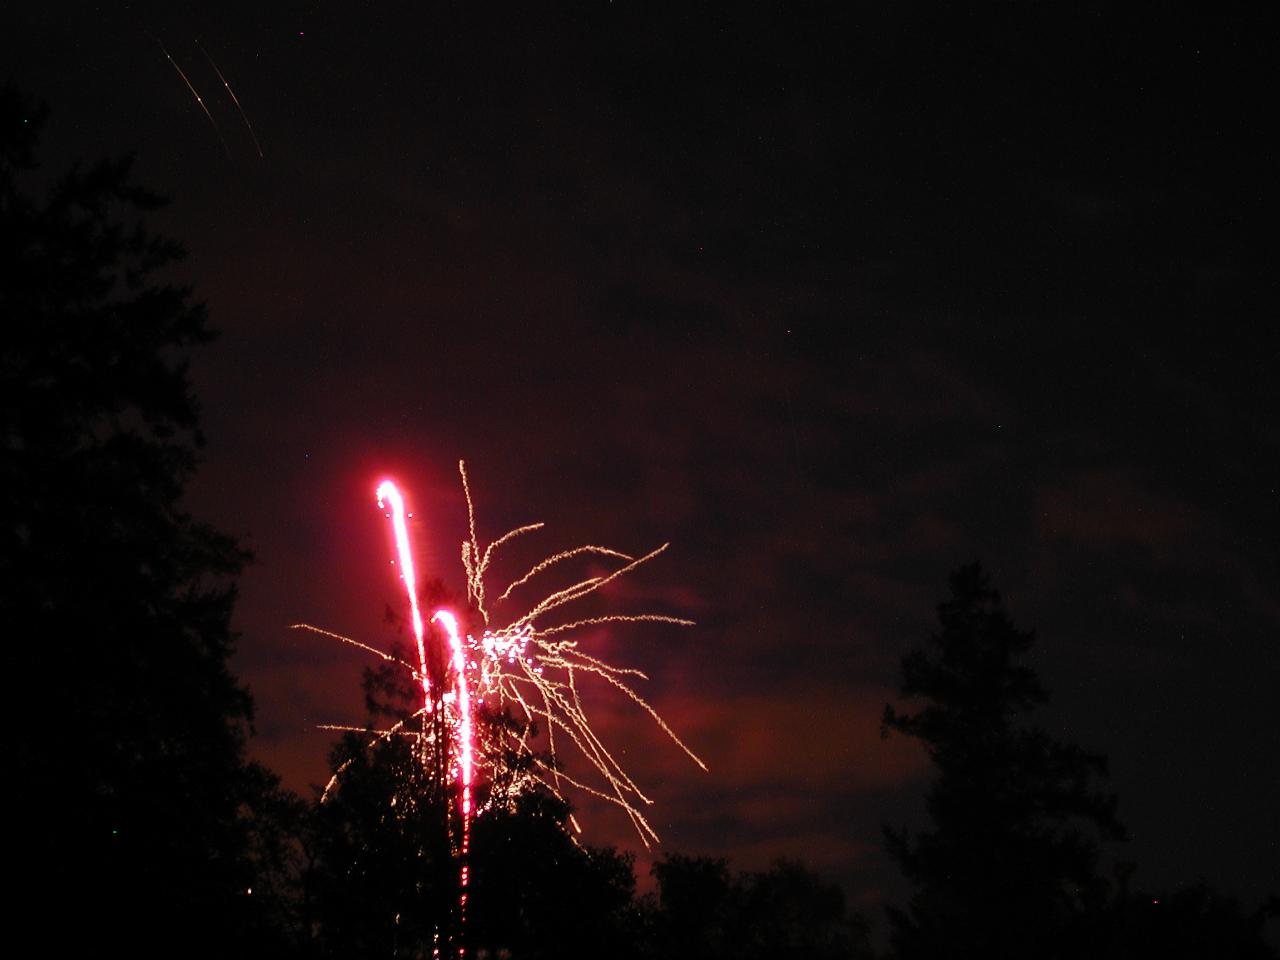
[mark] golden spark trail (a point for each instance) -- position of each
(356, 643)
(234, 99)
(556, 558)
(199, 99)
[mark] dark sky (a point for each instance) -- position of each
(833, 301)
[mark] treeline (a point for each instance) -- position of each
(373, 867)
(372, 885)
(138, 826)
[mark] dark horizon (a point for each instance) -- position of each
(834, 303)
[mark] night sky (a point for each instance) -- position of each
(833, 300)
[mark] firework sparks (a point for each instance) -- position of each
(536, 670)
(199, 99)
(234, 99)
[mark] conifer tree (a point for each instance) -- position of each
(132, 796)
(1009, 866)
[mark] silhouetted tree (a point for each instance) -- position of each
(788, 911)
(380, 876)
(536, 893)
(1009, 867)
(695, 909)
(131, 822)
(380, 879)
(785, 913)
(382, 873)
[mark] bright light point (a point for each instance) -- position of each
(387, 492)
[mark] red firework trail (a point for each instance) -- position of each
(464, 742)
(389, 495)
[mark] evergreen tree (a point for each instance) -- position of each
(132, 795)
(1009, 867)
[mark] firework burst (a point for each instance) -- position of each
(517, 662)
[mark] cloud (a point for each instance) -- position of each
(1110, 507)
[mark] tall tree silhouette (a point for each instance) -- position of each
(126, 767)
(1009, 868)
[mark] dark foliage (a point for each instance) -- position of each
(379, 880)
(133, 804)
(379, 875)
(1010, 866)
(703, 911)
(382, 866)
(382, 859)
(1190, 924)
(538, 894)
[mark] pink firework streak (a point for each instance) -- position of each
(464, 739)
(389, 494)
(522, 665)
